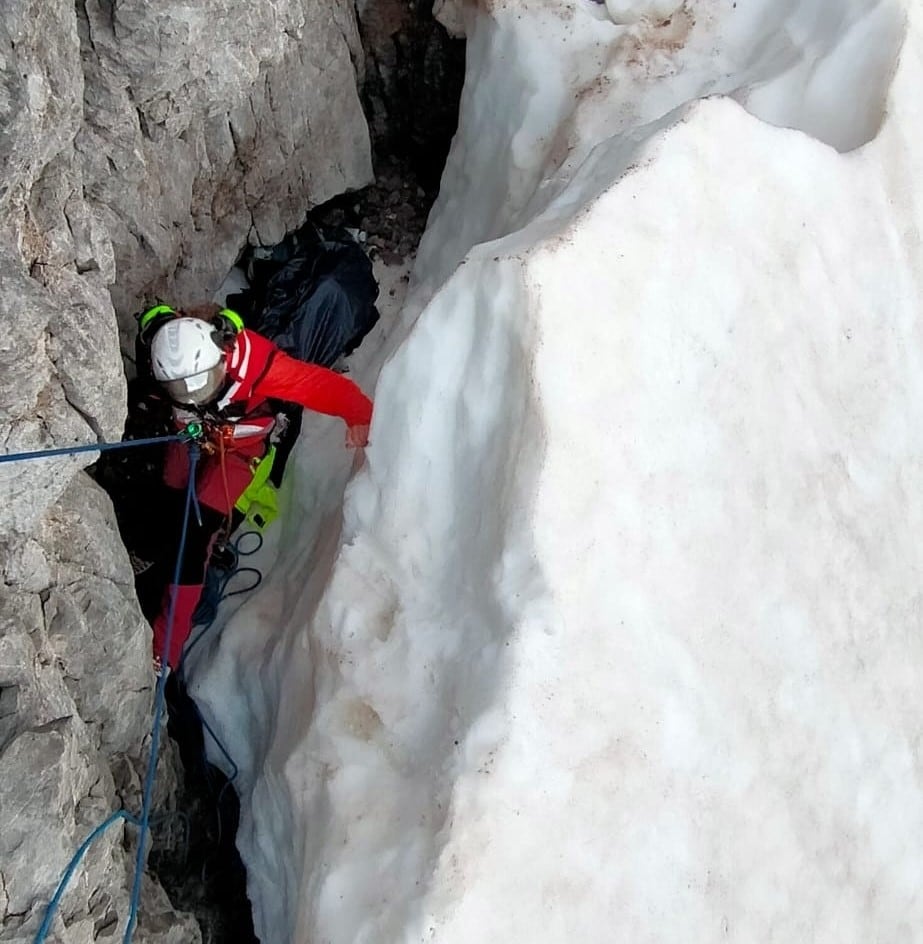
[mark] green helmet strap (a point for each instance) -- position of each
(152, 319)
(232, 317)
(227, 321)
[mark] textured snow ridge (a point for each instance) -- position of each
(550, 81)
(616, 636)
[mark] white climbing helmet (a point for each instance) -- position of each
(188, 360)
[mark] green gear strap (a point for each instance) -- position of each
(152, 313)
(259, 503)
(233, 317)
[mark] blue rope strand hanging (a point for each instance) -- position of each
(159, 704)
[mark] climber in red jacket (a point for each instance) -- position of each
(223, 376)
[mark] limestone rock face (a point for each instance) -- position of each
(211, 125)
(141, 147)
(75, 708)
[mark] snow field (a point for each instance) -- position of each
(705, 744)
(549, 81)
(616, 635)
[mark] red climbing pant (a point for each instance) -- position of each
(218, 486)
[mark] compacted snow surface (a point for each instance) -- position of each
(617, 633)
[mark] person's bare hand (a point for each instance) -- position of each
(357, 437)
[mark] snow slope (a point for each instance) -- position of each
(616, 636)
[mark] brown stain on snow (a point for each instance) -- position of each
(650, 46)
(361, 720)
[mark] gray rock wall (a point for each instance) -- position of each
(209, 125)
(75, 707)
(141, 146)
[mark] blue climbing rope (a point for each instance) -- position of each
(143, 821)
(82, 851)
(92, 447)
(159, 701)
(72, 867)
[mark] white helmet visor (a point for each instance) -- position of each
(197, 389)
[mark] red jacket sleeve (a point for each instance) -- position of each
(314, 387)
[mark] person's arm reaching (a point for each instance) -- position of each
(318, 389)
